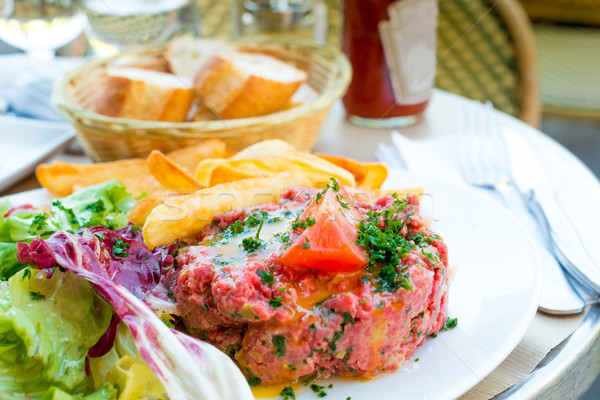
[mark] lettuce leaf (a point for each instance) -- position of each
(105, 204)
(105, 392)
(47, 326)
(188, 368)
(124, 366)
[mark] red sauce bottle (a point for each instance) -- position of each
(376, 98)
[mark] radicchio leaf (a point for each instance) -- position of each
(107, 341)
(126, 262)
(188, 368)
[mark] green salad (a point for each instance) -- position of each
(73, 322)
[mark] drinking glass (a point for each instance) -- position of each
(39, 27)
(304, 19)
(114, 25)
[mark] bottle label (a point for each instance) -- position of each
(409, 45)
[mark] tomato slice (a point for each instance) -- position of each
(330, 243)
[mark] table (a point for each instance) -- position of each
(569, 369)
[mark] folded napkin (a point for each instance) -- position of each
(26, 84)
(437, 158)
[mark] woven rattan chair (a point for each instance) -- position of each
(486, 50)
(568, 42)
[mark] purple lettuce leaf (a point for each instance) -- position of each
(122, 258)
(188, 368)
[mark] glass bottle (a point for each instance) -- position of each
(391, 46)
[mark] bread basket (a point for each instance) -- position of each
(106, 138)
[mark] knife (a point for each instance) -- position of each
(537, 191)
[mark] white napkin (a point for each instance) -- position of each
(438, 158)
(26, 84)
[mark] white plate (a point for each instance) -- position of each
(494, 296)
(26, 142)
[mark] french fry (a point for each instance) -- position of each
(264, 148)
(367, 175)
(225, 173)
(170, 175)
(62, 178)
(188, 157)
(140, 211)
(316, 169)
(185, 216)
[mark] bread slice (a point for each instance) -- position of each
(245, 85)
(185, 56)
(146, 95)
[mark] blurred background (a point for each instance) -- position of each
(538, 60)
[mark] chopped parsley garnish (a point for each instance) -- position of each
(39, 222)
(254, 219)
(97, 206)
(303, 224)
(236, 228)
(450, 324)
(334, 185)
(288, 393)
(26, 274)
(72, 217)
(275, 302)
(288, 214)
(170, 295)
(220, 259)
(347, 318)
(386, 245)
(266, 277)
(319, 390)
(253, 381)
(278, 342)
(262, 222)
(251, 244)
(120, 248)
(36, 296)
(310, 378)
(336, 336)
(306, 244)
(391, 280)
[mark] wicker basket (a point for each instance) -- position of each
(105, 138)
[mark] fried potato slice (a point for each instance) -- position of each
(185, 216)
(265, 148)
(140, 211)
(316, 169)
(188, 157)
(367, 175)
(62, 178)
(170, 175)
(225, 173)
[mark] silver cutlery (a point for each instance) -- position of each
(29, 98)
(484, 163)
(537, 191)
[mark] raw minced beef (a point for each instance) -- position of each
(281, 323)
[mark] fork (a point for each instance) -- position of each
(483, 160)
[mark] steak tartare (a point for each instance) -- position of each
(321, 282)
